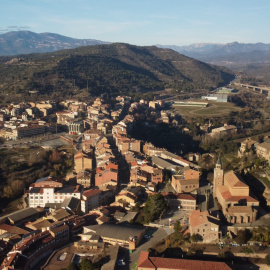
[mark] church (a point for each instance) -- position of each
(238, 204)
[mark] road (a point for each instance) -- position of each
(157, 236)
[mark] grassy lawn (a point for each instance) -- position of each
(134, 266)
(265, 181)
(215, 109)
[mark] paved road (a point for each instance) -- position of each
(157, 236)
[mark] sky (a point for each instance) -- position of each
(142, 22)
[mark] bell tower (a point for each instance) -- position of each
(218, 176)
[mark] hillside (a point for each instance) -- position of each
(114, 68)
(23, 42)
(229, 54)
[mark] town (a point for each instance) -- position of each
(111, 195)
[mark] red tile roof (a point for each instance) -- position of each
(227, 196)
(91, 192)
(144, 260)
(234, 179)
(147, 262)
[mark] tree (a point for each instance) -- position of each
(177, 230)
(195, 238)
(72, 266)
(243, 236)
(86, 264)
(267, 259)
(154, 206)
(17, 187)
(55, 157)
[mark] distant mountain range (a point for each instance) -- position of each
(24, 42)
(231, 54)
(113, 68)
(225, 54)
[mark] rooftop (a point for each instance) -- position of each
(116, 231)
(147, 262)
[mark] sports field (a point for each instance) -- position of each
(215, 109)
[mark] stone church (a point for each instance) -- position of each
(238, 204)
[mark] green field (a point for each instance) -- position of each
(215, 109)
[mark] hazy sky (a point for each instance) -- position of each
(142, 22)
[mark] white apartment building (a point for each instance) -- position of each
(51, 190)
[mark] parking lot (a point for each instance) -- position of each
(171, 216)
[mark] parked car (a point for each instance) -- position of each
(121, 262)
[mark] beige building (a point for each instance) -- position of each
(225, 130)
(263, 150)
(126, 197)
(204, 225)
(246, 146)
(117, 234)
(91, 199)
(239, 205)
(84, 179)
(186, 182)
(186, 202)
(82, 162)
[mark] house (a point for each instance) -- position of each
(246, 146)
(155, 174)
(84, 179)
(126, 197)
(150, 150)
(121, 234)
(147, 262)
(263, 150)
(91, 199)
(223, 131)
(59, 215)
(182, 201)
(106, 177)
(126, 145)
(204, 225)
(40, 224)
(186, 182)
(82, 162)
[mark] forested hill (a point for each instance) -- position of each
(117, 68)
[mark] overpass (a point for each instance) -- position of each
(259, 89)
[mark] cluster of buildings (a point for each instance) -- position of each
(26, 119)
(98, 207)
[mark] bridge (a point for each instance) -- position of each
(259, 89)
